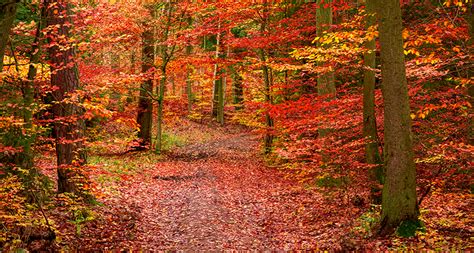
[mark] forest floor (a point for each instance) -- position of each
(213, 191)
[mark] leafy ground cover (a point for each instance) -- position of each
(216, 192)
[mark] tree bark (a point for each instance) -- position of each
(215, 92)
(189, 83)
(28, 100)
(166, 54)
(372, 154)
(267, 80)
(159, 121)
(145, 102)
(69, 126)
(325, 81)
(7, 16)
(221, 99)
(268, 138)
(237, 88)
(218, 91)
(399, 203)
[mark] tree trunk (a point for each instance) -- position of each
(323, 23)
(189, 84)
(325, 81)
(69, 126)
(221, 99)
(7, 16)
(399, 192)
(189, 87)
(218, 92)
(215, 92)
(159, 120)
(28, 100)
(372, 154)
(237, 89)
(268, 138)
(166, 54)
(145, 102)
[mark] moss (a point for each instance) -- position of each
(408, 228)
(332, 182)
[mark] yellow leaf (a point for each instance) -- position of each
(413, 116)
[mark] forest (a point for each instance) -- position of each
(264, 125)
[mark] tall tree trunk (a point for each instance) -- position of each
(323, 23)
(267, 80)
(166, 54)
(189, 83)
(220, 101)
(159, 121)
(7, 16)
(145, 102)
(372, 154)
(399, 192)
(218, 92)
(237, 88)
(218, 95)
(215, 92)
(69, 126)
(268, 138)
(28, 100)
(325, 81)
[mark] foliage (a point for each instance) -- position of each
(205, 163)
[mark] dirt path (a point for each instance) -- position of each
(220, 195)
(216, 195)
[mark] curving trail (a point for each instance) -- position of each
(219, 195)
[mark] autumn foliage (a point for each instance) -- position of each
(281, 156)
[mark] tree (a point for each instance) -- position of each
(7, 16)
(267, 80)
(399, 206)
(237, 87)
(189, 87)
(145, 102)
(69, 126)
(171, 24)
(218, 90)
(28, 98)
(372, 154)
(323, 23)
